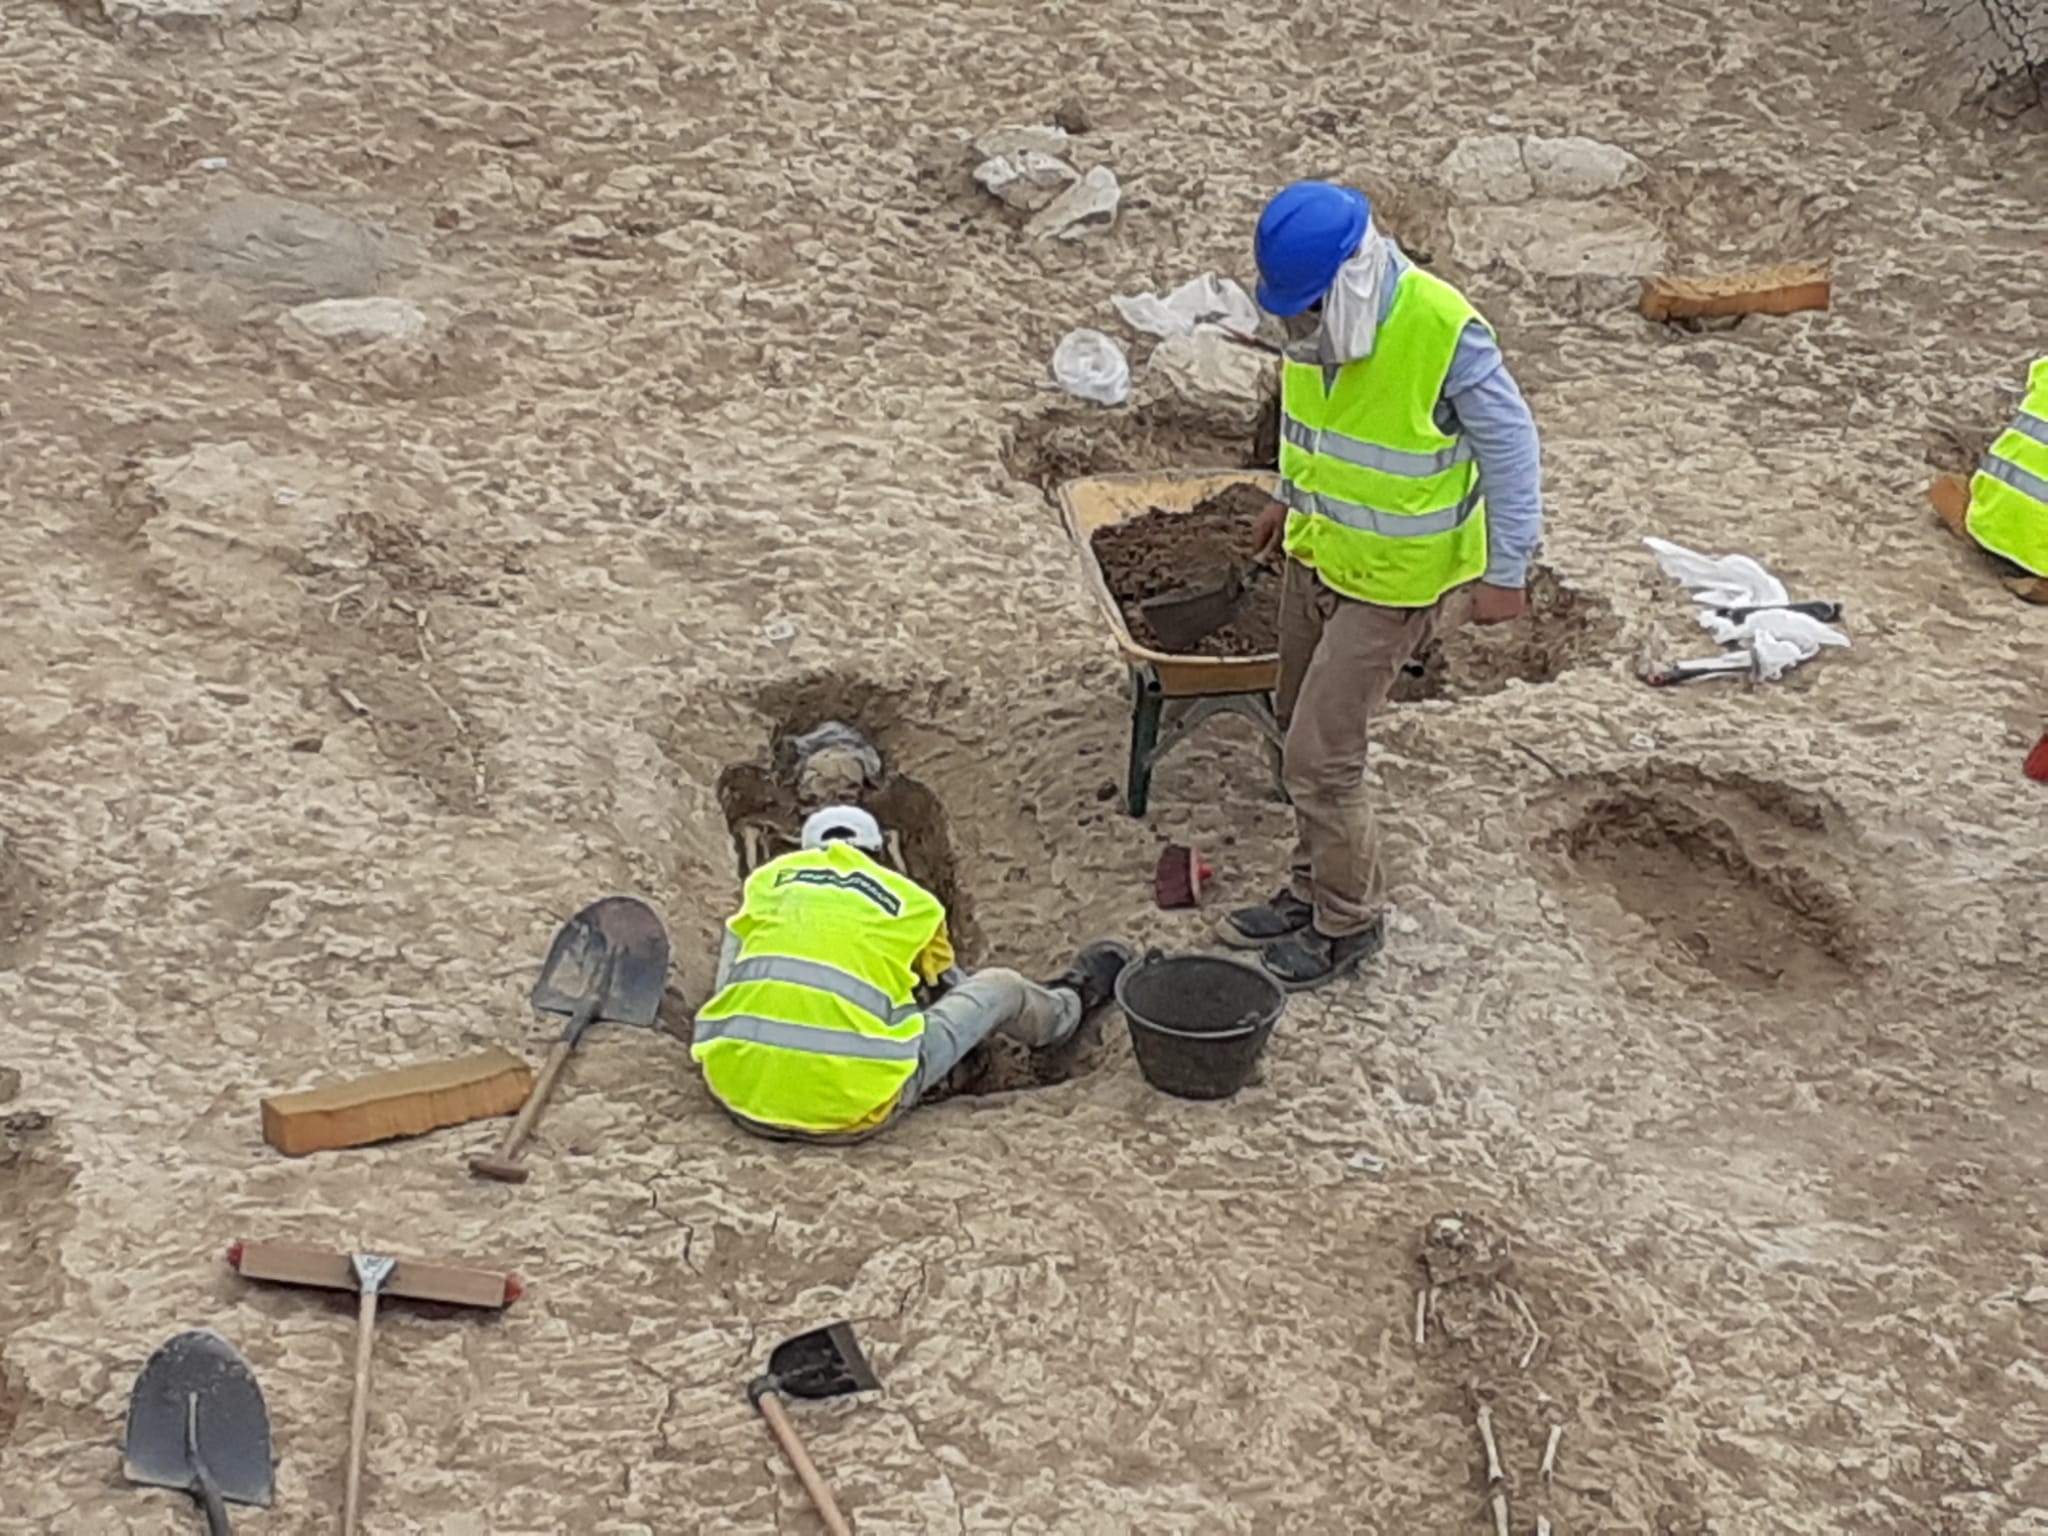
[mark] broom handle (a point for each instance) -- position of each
(800, 1459)
(359, 1412)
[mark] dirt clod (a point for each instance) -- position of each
(1162, 550)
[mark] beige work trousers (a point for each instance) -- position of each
(1338, 662)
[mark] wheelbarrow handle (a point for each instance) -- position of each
(779, 1425)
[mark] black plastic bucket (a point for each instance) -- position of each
(1198, 1022)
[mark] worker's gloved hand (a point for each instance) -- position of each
(1497, 605)
(1268, 530)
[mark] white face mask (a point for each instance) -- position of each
(1351, 309)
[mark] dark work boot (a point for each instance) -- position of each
(1256, 927)
(1093, 975)
(1309, 959)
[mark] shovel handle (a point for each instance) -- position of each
(359, 1413)
(506, 1166)
(208, 1494)
(204, 1488)
(807, 1473)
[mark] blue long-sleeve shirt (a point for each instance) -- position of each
(1482, 402)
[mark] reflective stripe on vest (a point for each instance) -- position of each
(2025, 481)
(2009, 493)
(1366, 455)
(1386, 524)
(820, 977)
(808, 1037)
(1384, 505)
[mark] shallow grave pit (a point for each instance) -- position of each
(766, 822)
(1681, 864)
(765, 817)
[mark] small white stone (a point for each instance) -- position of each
(1577, 167)
(1027, 180)
(1487, 168)
(357, 321)
(1085, 208)
(585, 229)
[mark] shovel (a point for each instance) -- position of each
(197, 1423)
(1188, 615)
(826, 1362)
(607, 966)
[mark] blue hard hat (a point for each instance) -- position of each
(1308, 231)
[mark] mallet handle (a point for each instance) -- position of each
(792, 1445)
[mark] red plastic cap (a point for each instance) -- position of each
(2036, 766)
(235, 1254)
(514, 1289)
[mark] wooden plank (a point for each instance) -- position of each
(1783, 290)
(461, 1285)
(402, 1103)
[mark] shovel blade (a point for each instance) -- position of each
(826, 1362)
(1187, 615)
(233, 1425)
(614, 951)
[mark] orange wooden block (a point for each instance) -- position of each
(402, 1103)
(1772, 291)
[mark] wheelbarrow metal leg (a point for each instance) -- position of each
(1148, 705)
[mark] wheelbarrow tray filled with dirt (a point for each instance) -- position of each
(1099, 501)
(1171, 693)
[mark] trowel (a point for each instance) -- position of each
(1187, 615)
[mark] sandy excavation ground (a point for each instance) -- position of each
(336, 674)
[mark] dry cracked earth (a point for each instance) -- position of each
(347, 651)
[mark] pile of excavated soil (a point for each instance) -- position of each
(1163, 550)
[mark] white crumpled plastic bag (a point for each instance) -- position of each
(1091, 366)
(1204, 300)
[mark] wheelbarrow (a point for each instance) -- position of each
(1171, 695)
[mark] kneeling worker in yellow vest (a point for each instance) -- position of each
(838, 1004)
(1409, 471)
(2009, 493)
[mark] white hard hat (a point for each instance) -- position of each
(843, 823)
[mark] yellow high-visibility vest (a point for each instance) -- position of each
(1384, 505)
(2009, 493)
(818, 1028)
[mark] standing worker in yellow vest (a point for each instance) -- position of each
(2009, 493)
(824, 1026)
(1409, 471)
